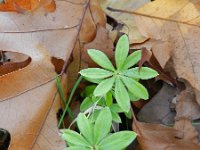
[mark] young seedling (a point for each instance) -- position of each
(98, 109)
(97, 136)
(121, 81)
(97, 103)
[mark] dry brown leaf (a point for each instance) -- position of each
(126, 20)
(187, 131)
(12, 61)
(159, 137)
(101, 42)
(151, 61)
(176, 22)
(186, 106)
(196, 3)
(88, 31)
(23, 6)
(27, 97)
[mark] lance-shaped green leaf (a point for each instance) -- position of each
(77, 148)
(143, 73)
(121, 52)
(97, 81)
(94, 115)
(102, 125)
(135, 87)
(104, 87)
(117, 141)
(88, 91)
(115, 117)
(87, 103)
(121, 95)
(116, 108)
(85, 127)
(109, 99)
(101, 59)
(132, 59)
(74, 138)
(133, 97)
(95, 73)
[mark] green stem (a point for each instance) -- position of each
(69, 100)
(59, 87)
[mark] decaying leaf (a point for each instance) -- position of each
(186, 105)
(107, 46)
(151, 61)
(179, 24)
(23, 6)
(186, 130)
(159, 137)
(28, 104)
(12, 61)
(126, 22)
(159, 103)
(94, 15)
(196, 3)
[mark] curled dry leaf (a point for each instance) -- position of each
(187, 131)
(27, 97)
(125, 22)
(151, 61)
(186, 105)
(159, 137)
(23, 6)
(179, 25)
(159, 103)
(94, 15)
(101, 42)
(196, 3)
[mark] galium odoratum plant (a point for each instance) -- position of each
(122, 81)
(92, 105)
(97, 136)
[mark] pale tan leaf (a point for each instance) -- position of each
(129, 26)
(159, 137)
(186, 130)
(101, 42)
(27, 99)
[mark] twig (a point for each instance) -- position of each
(149, 16)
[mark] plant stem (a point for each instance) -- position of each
(59, 87)
(69, 100)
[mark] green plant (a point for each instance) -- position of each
(95, 104)
(97, 136)
(121, 81)
(99, 109)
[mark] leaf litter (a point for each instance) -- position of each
(41, 35)
(172, 29)
(163, 36)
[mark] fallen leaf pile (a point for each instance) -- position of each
(172, 28)
(39, 37)
(28, 99)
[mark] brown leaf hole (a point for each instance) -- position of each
(58, 64)
(12, 61)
